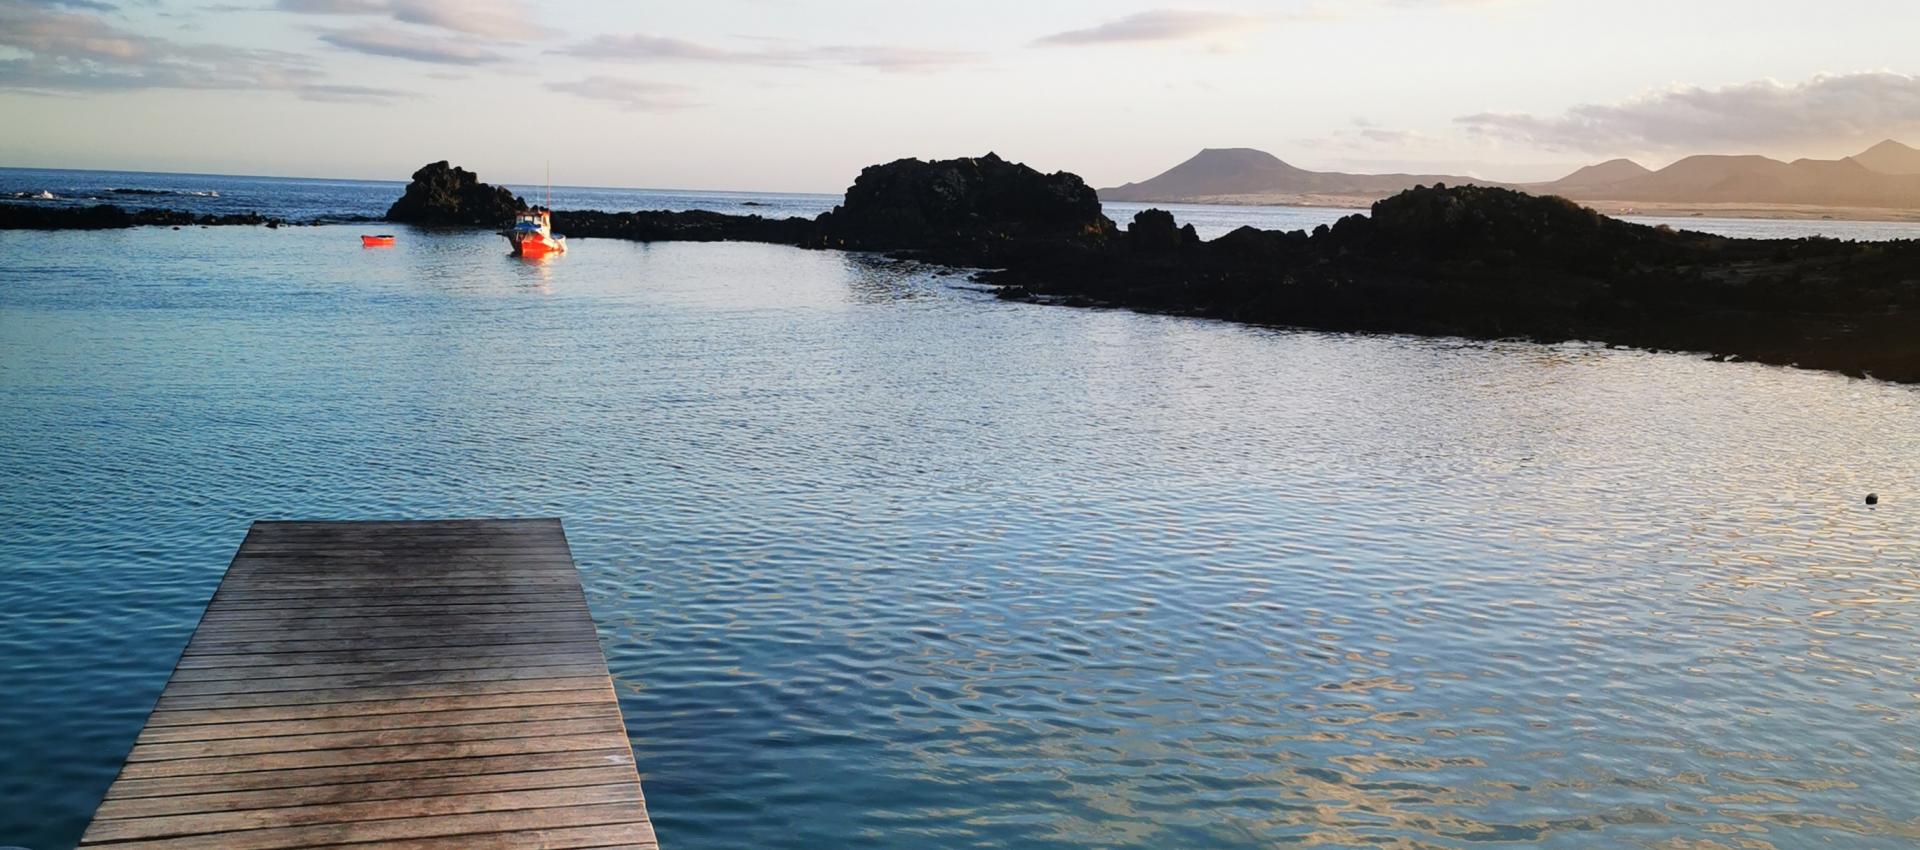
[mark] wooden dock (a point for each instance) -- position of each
(416, 685)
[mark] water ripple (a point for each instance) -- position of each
(879, 561)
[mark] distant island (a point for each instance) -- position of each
(1882, 182)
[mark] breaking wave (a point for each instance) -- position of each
(184, 192)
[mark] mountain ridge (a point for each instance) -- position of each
(1228, 171)
(1875, 178)
(1890, 157)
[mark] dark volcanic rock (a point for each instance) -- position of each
(1468, 261)
(969, 210)
(1493, 263)
(689, 226)
(109, 217)
(1154, 230)
(443, 195)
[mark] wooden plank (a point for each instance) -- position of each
(285, 838)
(234, 613)
(164, 826)
(349, 792)
(391, 679)
(543, 728)
(623, 836)
(425, 826)
(320, 777)
(361, 708)
(377, 625)
(351, 668)
(289, 659)
(248, 647)
(402, 685)
(323, 599)
(367, 755)
(360, 585)
(365, 722)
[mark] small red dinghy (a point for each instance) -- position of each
(381, 240)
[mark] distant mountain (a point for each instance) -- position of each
(1884, 176)
(1223, 173)
(1890, 157)
(1751, 180)
(1593, 177)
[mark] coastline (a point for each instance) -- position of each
(1659, 209)
(1459, 261)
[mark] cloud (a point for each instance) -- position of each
(500, 20)
(335, 93)
(1172, 25)
(1155, 25)
(641, 47)
(1760, 114)
(635, 95)
(1367, 136)
(893, 58)
(93, 5)
(77, 51)
(402, 45)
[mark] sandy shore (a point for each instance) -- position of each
(1643, 208)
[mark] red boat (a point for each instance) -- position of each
(381, 241)
(531, 235)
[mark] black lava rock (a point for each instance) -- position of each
(973, 208)
(688, 226)
(441, 194)
(1154, 231)
(109, 217)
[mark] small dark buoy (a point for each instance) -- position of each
(1873, 498)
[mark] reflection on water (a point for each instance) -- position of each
(881, 561)
(537, 270)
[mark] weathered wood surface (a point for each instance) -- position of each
(386, 685)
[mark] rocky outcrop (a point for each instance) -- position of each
(1154, 231)
(1468, 261)
(443, 195)
(1492, 263)
(689, 226)
(975, 210)
(110, 217)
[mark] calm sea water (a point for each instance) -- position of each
(880, 561)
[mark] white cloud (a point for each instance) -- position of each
(500, 20)
(642, 47)
(379, 41)
(1173, 25)
(1155, 25)
(636, 95)
(1760, 114)
(66, 50)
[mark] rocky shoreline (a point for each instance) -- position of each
(1487, 263)
(1466, 261)
(18, 216)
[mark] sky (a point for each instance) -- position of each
(779, 95)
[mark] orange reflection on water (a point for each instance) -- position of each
(539, 270)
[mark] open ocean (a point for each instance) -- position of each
(879, 560)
